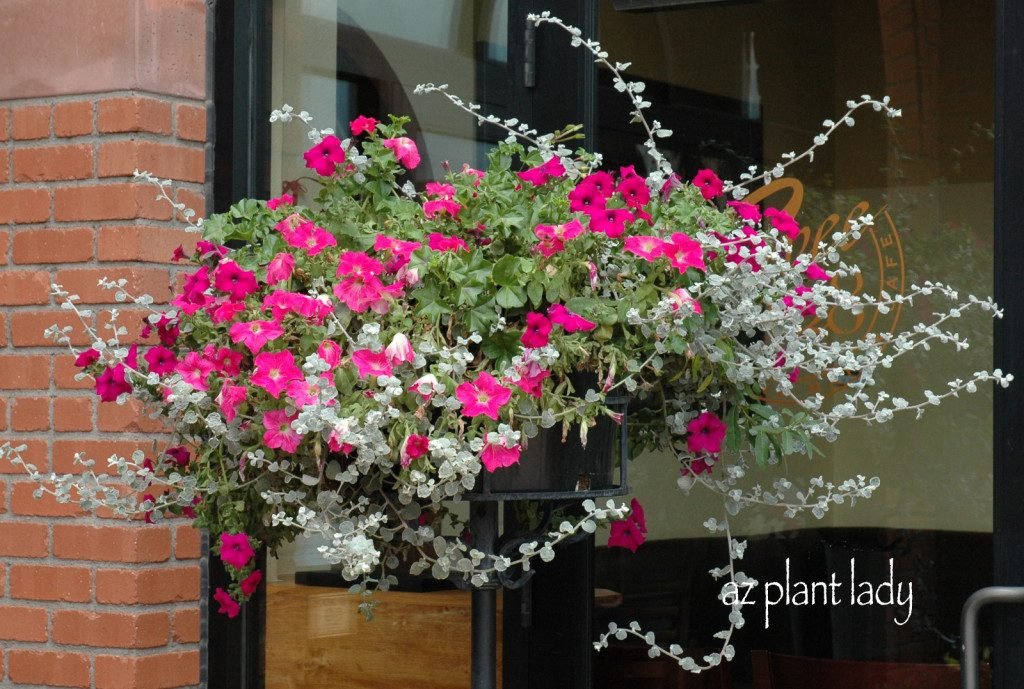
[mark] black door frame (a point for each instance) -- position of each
(241, 76)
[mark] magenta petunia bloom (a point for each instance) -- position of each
(538, 327)
(179, 455)
(255, 334)
(359, 292)
(398, 247)
(281, 302)
(225, 360)
(111, 384)
(680, 297)
(817, 273)
(600, 180)
(684, 252)
(610, 221)
(626, 534)
(746, 211)
(362, 125)
(325, 157)
(705, 434)
(400, 350)
(483, 397)
(586, 198)
(235, 550)
(445, 191)
(783, 222)
(87, 357)
(414, 447)
(634, 191)
(570, 322)
(225, 310)
(279, 434)
(280, 268)
(302, 392)
(532, 383)
(477, 174)
(806, 307)
(161, 360)
(330, 352)
(282, 200)
(708, 184)
(358, 263)
(235, 280)
(436, 206)
(228, 605)
(497, 456)
(405, 151)
(637, 516)
(645, 246)
(229, 399)
(310, 238)
(194, 370)
(274, 370)
(439, 242)
(425, 385)
(251, 582)
(542, 173)
(370, 363)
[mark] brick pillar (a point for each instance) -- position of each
(90, 90)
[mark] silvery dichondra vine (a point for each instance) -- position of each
(346, 369)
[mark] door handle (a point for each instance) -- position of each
(969, 627)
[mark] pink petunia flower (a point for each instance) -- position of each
(236, 550)
(570, 322)
(445, 191)
(497, 456)
(194, 370)
(439, 242)
(746, 211)
(807, 308)
(634, 191)
(586, 198)
(112, 383)
(280, 268)
(414, 447)
(251, 582)
(637, 516)
(225, 310)
(626, 534)
(432, 208)
(330, 352)
(302, 392)
(610, 221)
(400, 350)
(478, 174)
(600, 180)
(705, 434)
(543, 173)
(680, 296)
(817, 273)
(87, 357)
(483, 397)
(532, 383)
(358, 263)
(370, 363)
(708, 184)
(274, 370)
(398, 247)
(282, 200)
(782, 221)
(325, 157)
(230, 398)
(228, 605)
(179, 455)
(310, 238)
(645, 246)
(684, 252)
(538, 328)
(405, 151)
(426, 385)
(279, 434)
(161, 360)
(362, 125)
(255, 334)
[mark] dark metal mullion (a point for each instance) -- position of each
(1008, 431)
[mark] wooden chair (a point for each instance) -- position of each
(774, 671)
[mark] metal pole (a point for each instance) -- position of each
(969, 627)
(483, 525)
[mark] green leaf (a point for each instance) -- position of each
(508, 298)
(762, 446)
(509, 271)
(535, 290)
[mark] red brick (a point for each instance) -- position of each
(18, 539)
(24, 205)
(4, 240)
(31, 122)
(187, 542)
(162, 671)
(3, 414)
(144, 543)
(97, 450)
(111, 629)
(147, 586)
(3, 329)
(64, 371)
(4, 176)
(73, 118)
(36, 452)
(191, 122)
(51, 163)
(134, 115)
(167, 161)
(30, 414)
(128, 418)
(22, 623)
(25, 503)
(48, 668)
(4, 120)
(85, 283)
(56, 583)
(185, 626)
(3, 510)
(140, 243)
(18, 287)
(29, 372)
(109, 202)
(192, 200)
(53, 245)
(27, 328)
(72, 414)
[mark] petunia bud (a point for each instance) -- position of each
(400, 350)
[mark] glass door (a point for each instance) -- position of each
(741, 84)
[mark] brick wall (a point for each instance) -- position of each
(90, 91)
